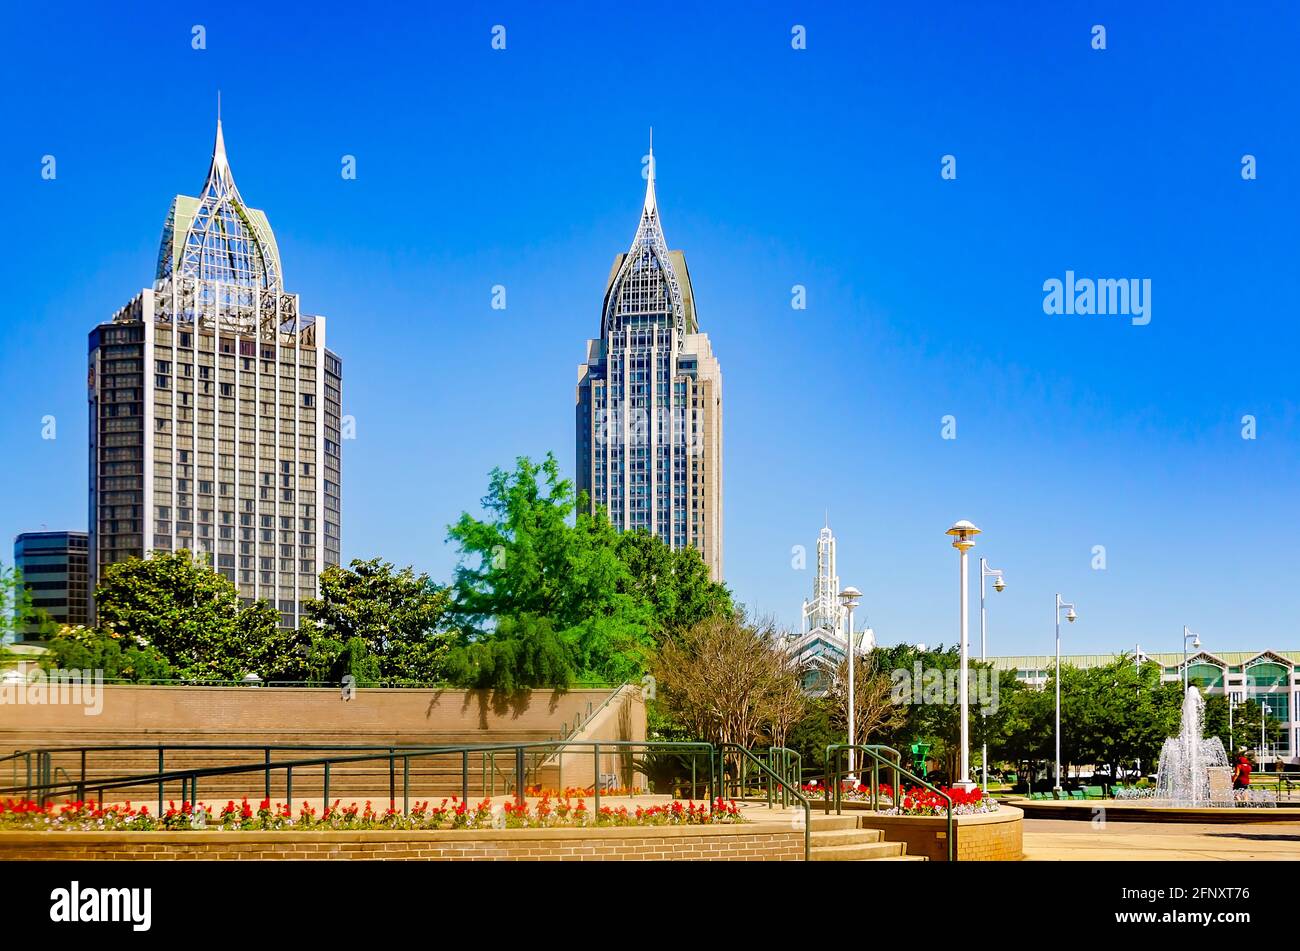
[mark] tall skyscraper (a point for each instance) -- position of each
(53, 566)
(215, 409)
(649, 400)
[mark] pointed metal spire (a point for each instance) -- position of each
(220, 178)
(649, 254)
(650, 209)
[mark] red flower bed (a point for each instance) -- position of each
(562, 812)
(914, 800)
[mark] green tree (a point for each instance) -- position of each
(19, 618)
(372, 609)
(1117, 714)
(1247, 718)
(188, 612)
(675, 583)
(817, 730)
(556, 575)
(82, 648)
(523, 652)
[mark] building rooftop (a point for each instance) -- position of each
(1165, 659)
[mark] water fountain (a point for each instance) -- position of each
(1193, 770)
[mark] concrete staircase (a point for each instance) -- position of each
(839, 839)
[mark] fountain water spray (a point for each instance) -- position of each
(1188, 761)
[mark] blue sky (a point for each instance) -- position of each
(776, 167)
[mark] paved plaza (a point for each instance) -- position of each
(1074, 840)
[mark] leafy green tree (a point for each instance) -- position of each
(1247, 717)
(188, 612)
(19, 618)
(534, 560)
(675, 583)
(1022, 733)
(524, 652)
(817, 730)
(372, 609)
(82, 648)
(1117, 714)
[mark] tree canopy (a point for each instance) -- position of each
(189, 613)
(548, 594)
(375, 621)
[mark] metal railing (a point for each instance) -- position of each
(746, 756)
(778, 769)
(318, 684)
(40, 769)
(782, 776)
(879, 756)
(43, 785)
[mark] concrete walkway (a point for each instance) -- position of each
(1074, 840)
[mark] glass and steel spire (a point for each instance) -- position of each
(646, 288)
(216, 237)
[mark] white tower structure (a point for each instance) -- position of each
(824, 610)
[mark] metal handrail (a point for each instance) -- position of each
(579, 723)
(787, 764)
(44, 757)
(772, 776)
(189, 777)
(334, 684)
(876, 752)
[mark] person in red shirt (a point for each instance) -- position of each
(1241, 774)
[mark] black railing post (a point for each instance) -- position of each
(267, 785)
(161, 758)
(392, 779)
(464, 775)
(519, 775)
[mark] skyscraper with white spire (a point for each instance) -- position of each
(649, 400)
(215, 409)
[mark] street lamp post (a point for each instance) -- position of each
(1070, 616)
(1196, 645)
(963, 533)
(850, 598)
(1264, 711)
(999, 585)
(1232, 705)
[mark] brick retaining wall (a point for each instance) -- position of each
(986, 837)
(746, 842)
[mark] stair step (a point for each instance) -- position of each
(858, 853)
(824, 839)
(904, 858)
(830, 823)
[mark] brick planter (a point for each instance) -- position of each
(744, 842)
(986, 837)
